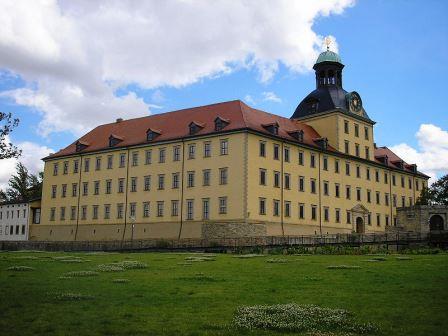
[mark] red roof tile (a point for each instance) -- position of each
(392, 159)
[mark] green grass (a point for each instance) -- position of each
(155, 294)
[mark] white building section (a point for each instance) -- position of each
(15, 219)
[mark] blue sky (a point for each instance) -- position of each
(395, 55)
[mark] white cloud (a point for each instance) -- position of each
(249, 100)
(271, 97)
(431, 156)
(32, 154)
(75, 54)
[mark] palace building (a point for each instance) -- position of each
(229, 170)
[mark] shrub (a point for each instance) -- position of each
(81, 274)
(162, 243)
(121, 266)
(110, 268)
(277, 261)
(120, 280)
(298, 318)
(69, 296)
(343, 267)
(20, 268)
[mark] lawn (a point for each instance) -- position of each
(46, 293)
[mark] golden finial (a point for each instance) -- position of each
(328, 41)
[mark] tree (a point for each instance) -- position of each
(7, 124)
(23, 185)
(439, 191)
(425, 197)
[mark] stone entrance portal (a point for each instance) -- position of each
(360, 225)
(436, 223)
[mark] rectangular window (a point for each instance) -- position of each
(368, 173)
(326, 188)
(301, 183)
(207, 149)
(262, 148)
(301, 158)
(206, 177)
(146, 209)
(222, 205)
(133, 184)
(160, 208)
(108, 186)
(106, 211)
(287, 209)
(369, 196)
(402, 181)
(62, 213)
(277, 179)
(86, 165)
(378, 219)
(357, 130)
(121, 185)
(53, 191)
(52, 214)
(175, 180)
(313, 212)
(346, 131)
(98, 163)
(377, 197)
(337, 215)
(349, 217)
(312, 160)
(394, 200)
(262, 176)
(109, 161)
(366, 133)
(132, 210)
(387, 220)
(262, 206)
(346, 147)
(85, 188)
(148, 156)
(325, 163)
(386, 199)
(74, 189)
(223, 175)
(313, 186)
(287, 181)
(409, 183)
(84, 212)
(55, 169)
(276, 152)
(336, 166)
(347, 168)
(161, 184)
(394, 182)
(385, 178)
(191, 151)
(122, 160)
(367, 152)
(358, 171)
(120, 210)
(369, 219)
(347, 192)
(65, 168)
(337, 190)
(301, 210)
(276, 208)
(190, 179)
(73, 213)
(358, 194)
(95, 212)
(96, 187)
(224, 147)
(135, 159)
(162, 152)
(64, 190)
(286, 154)
(75, 166)
(326, 214)
(174, 208)
(190, 209)
(176, 153)
(403, 201)
(377, 176)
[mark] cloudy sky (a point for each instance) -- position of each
(67, 66)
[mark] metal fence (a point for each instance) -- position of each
(398, 238)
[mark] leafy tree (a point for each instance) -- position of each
(425, 197)
(23, 185)
(439, 191)
(7, 124)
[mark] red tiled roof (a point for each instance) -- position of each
(174, 125)
(392, 159)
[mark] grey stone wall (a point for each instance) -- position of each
(232, 230)
(417, 218)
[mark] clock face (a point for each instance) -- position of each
(354, 102)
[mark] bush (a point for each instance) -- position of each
(120, 280)
(76, 274)
(20, 268)
(343, 267)
(69, 296)
(298, 318)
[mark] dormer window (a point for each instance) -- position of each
(114, 140)
(297, 134)
(195, 127)
(220, 123)
(383, 159)
(151, 134)
(321, 142)
(399, 163)
(81, 145)
(271, 128)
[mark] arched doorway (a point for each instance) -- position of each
(436, 223)
(359, 225)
